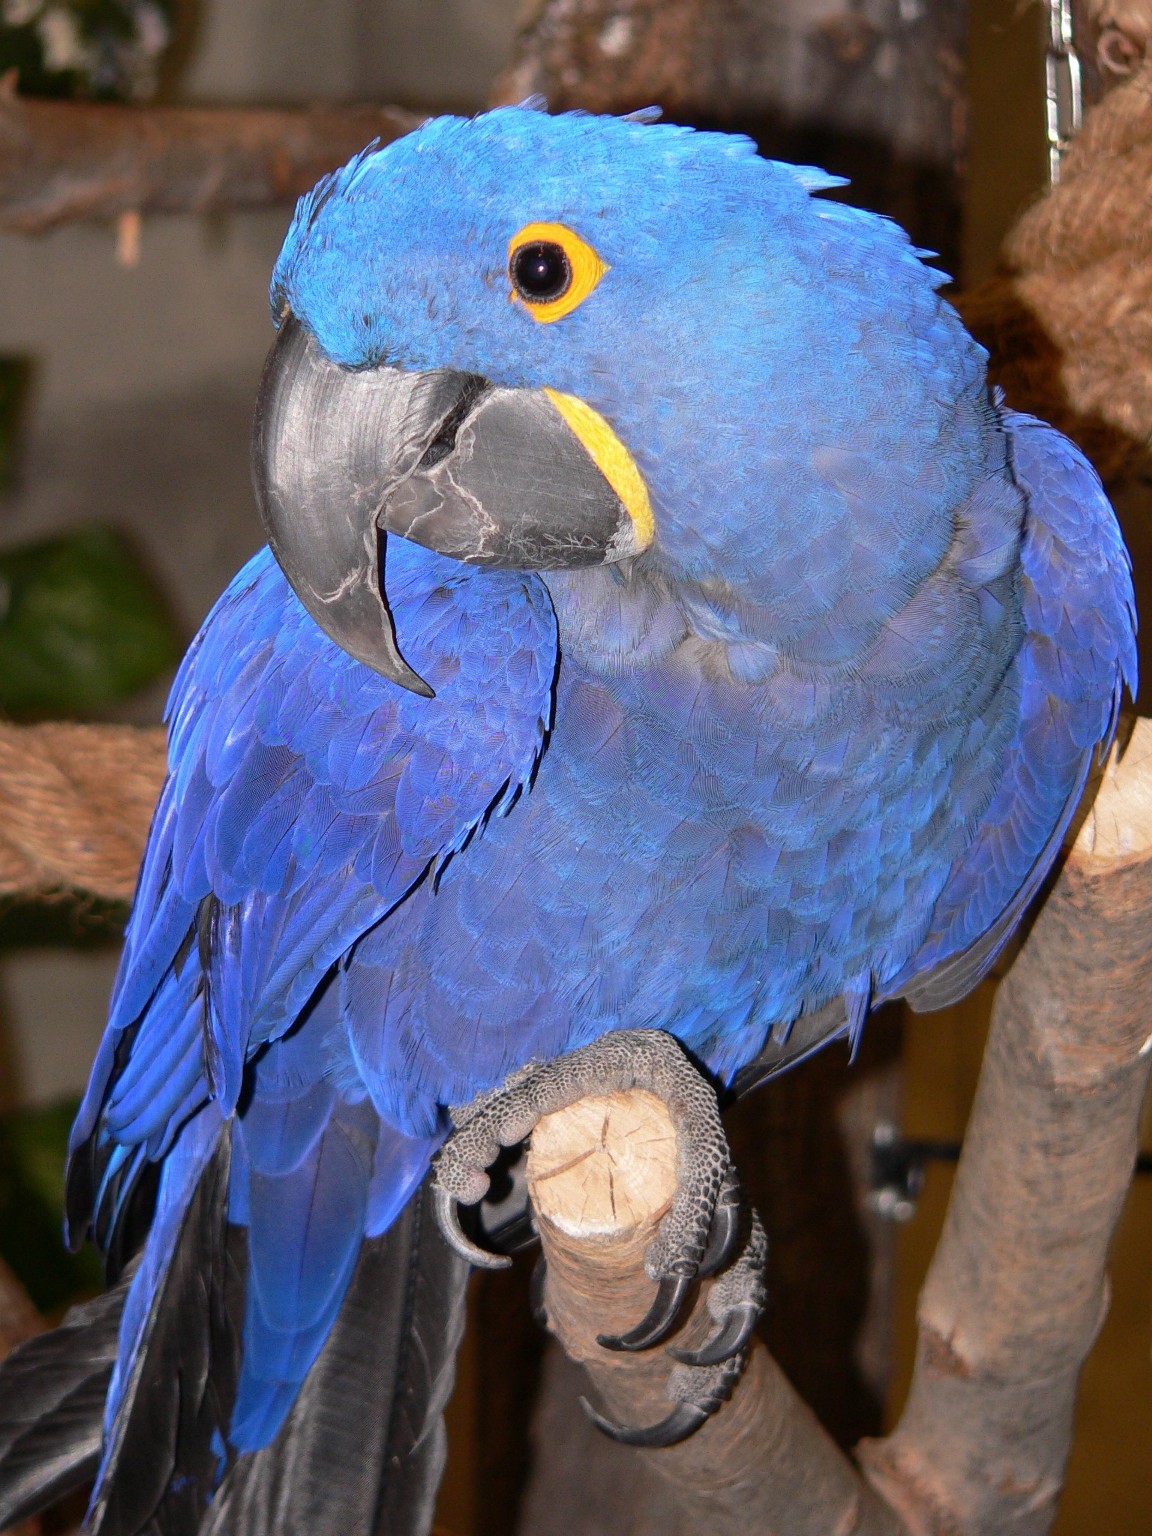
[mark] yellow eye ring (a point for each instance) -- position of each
(551, 270)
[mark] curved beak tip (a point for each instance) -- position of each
(513, 478)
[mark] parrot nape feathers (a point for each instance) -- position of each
(668, 649)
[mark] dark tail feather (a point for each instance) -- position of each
(52, 1391)
(360, 1454)
(362, 1451)
(163, 1460)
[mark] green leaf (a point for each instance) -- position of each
(108, 49)
(81, 625)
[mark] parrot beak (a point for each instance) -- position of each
(524, 479)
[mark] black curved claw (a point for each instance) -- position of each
(725, 1233)
(658, 1322)
(728, 1340)
(536, 1291)
(448, 1220)
(683, 1421)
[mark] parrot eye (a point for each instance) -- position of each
(540, 271)
(551, 270)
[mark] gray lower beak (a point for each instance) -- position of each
(487, 475)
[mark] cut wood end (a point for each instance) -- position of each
(604, 1167)
(1118, 825)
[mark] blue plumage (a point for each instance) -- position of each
(820, 741)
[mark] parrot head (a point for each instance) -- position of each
(554, 343)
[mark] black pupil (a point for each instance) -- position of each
(541, 271)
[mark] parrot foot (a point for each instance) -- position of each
(684, 1420)
(703, 1379)
(697, 1391)
(448, 1220)
(735, 1301)
(708, 1231)
(702, 1227)
(673, 1288)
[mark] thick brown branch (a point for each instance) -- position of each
(69, 160)
(601, 1175)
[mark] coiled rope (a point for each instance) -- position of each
(75, 804)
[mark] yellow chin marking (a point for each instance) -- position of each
(611, 458)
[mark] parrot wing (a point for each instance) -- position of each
(307, 797)
(1078, 653)
(55, 1386)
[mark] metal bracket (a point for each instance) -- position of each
(1063, 85)
(896, 1174)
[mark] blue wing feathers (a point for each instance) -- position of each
(179, 1177)
(1078, 653)
(306, 799)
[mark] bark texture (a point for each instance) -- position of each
(1018, 1287)
(601, 1175)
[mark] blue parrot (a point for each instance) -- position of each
(667, 650)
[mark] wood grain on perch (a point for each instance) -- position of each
(1018, 1288)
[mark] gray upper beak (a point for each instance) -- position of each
(487, 475)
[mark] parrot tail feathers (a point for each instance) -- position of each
(174, 1381)
(363, 1446)
(52, 1391)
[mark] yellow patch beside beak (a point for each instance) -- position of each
(611, 458)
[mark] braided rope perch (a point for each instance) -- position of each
(75, 805)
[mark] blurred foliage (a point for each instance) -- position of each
(15, 385)
(33, 1147)
(81, 625)
(107, 49)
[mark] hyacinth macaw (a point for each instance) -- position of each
(667, 643)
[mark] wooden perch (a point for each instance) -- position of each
(78, 160)
(1018, 1288)
(601, 1175)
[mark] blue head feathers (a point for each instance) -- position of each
(751, 343)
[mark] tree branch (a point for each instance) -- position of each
(77, 160)
(1018, 1288)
